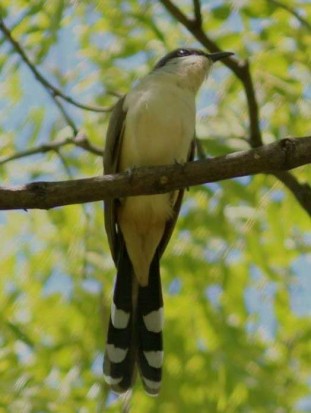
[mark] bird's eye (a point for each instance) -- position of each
(183, 52)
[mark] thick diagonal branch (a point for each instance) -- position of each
(302, 192)
(279, 156)
(240, 69)
(243, 73)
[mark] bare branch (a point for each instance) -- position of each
(47, 147)
(64, 163)
(79, 140)
(47, 85)
(200, 149)
(293, 12)
(255, 138)
(63, 111)
(16, 23)
(177, 13)
(279, 156)
(302, 192)
(82, 141)
(197, 12)
(240, 69)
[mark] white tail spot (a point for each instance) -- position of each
(119, 318)
(115, 354)
(152, 386)
(111, 381)
(154, 320)
(154, 358)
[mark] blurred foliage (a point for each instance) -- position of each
(237, 332)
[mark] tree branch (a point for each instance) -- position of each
(64, 113)
(293, 12)
(279, 156)
(177, 13)
(82, 142)
(302, 192)
(79, 140)
(242, 71)
(197, 12)
(44, 82)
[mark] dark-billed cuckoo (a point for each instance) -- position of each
(154, 124)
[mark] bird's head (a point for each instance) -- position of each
(190, 65)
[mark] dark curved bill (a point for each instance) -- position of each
(218, 55)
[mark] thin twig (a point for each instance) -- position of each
(64, 113)
(64, 163)
(56, 92)
(293, 12)
(16, 23)
(47, 147)
(80, 140)
(20, 51)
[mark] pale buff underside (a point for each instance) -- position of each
(156, 133)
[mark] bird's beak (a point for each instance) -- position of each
(218, 55)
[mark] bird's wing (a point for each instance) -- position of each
(170, 225)
(111, 160)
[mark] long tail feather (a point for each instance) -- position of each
(135, 330)
(119, 359)
(150, 325)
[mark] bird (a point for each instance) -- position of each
(154, 124)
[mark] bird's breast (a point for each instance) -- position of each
(159, 125)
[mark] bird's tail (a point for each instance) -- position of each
(119, 358)
(135, 330)
(149, 327)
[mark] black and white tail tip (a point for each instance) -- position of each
(135, 331)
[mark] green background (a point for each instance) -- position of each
(235, 275)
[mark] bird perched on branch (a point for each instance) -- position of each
(154, 124)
